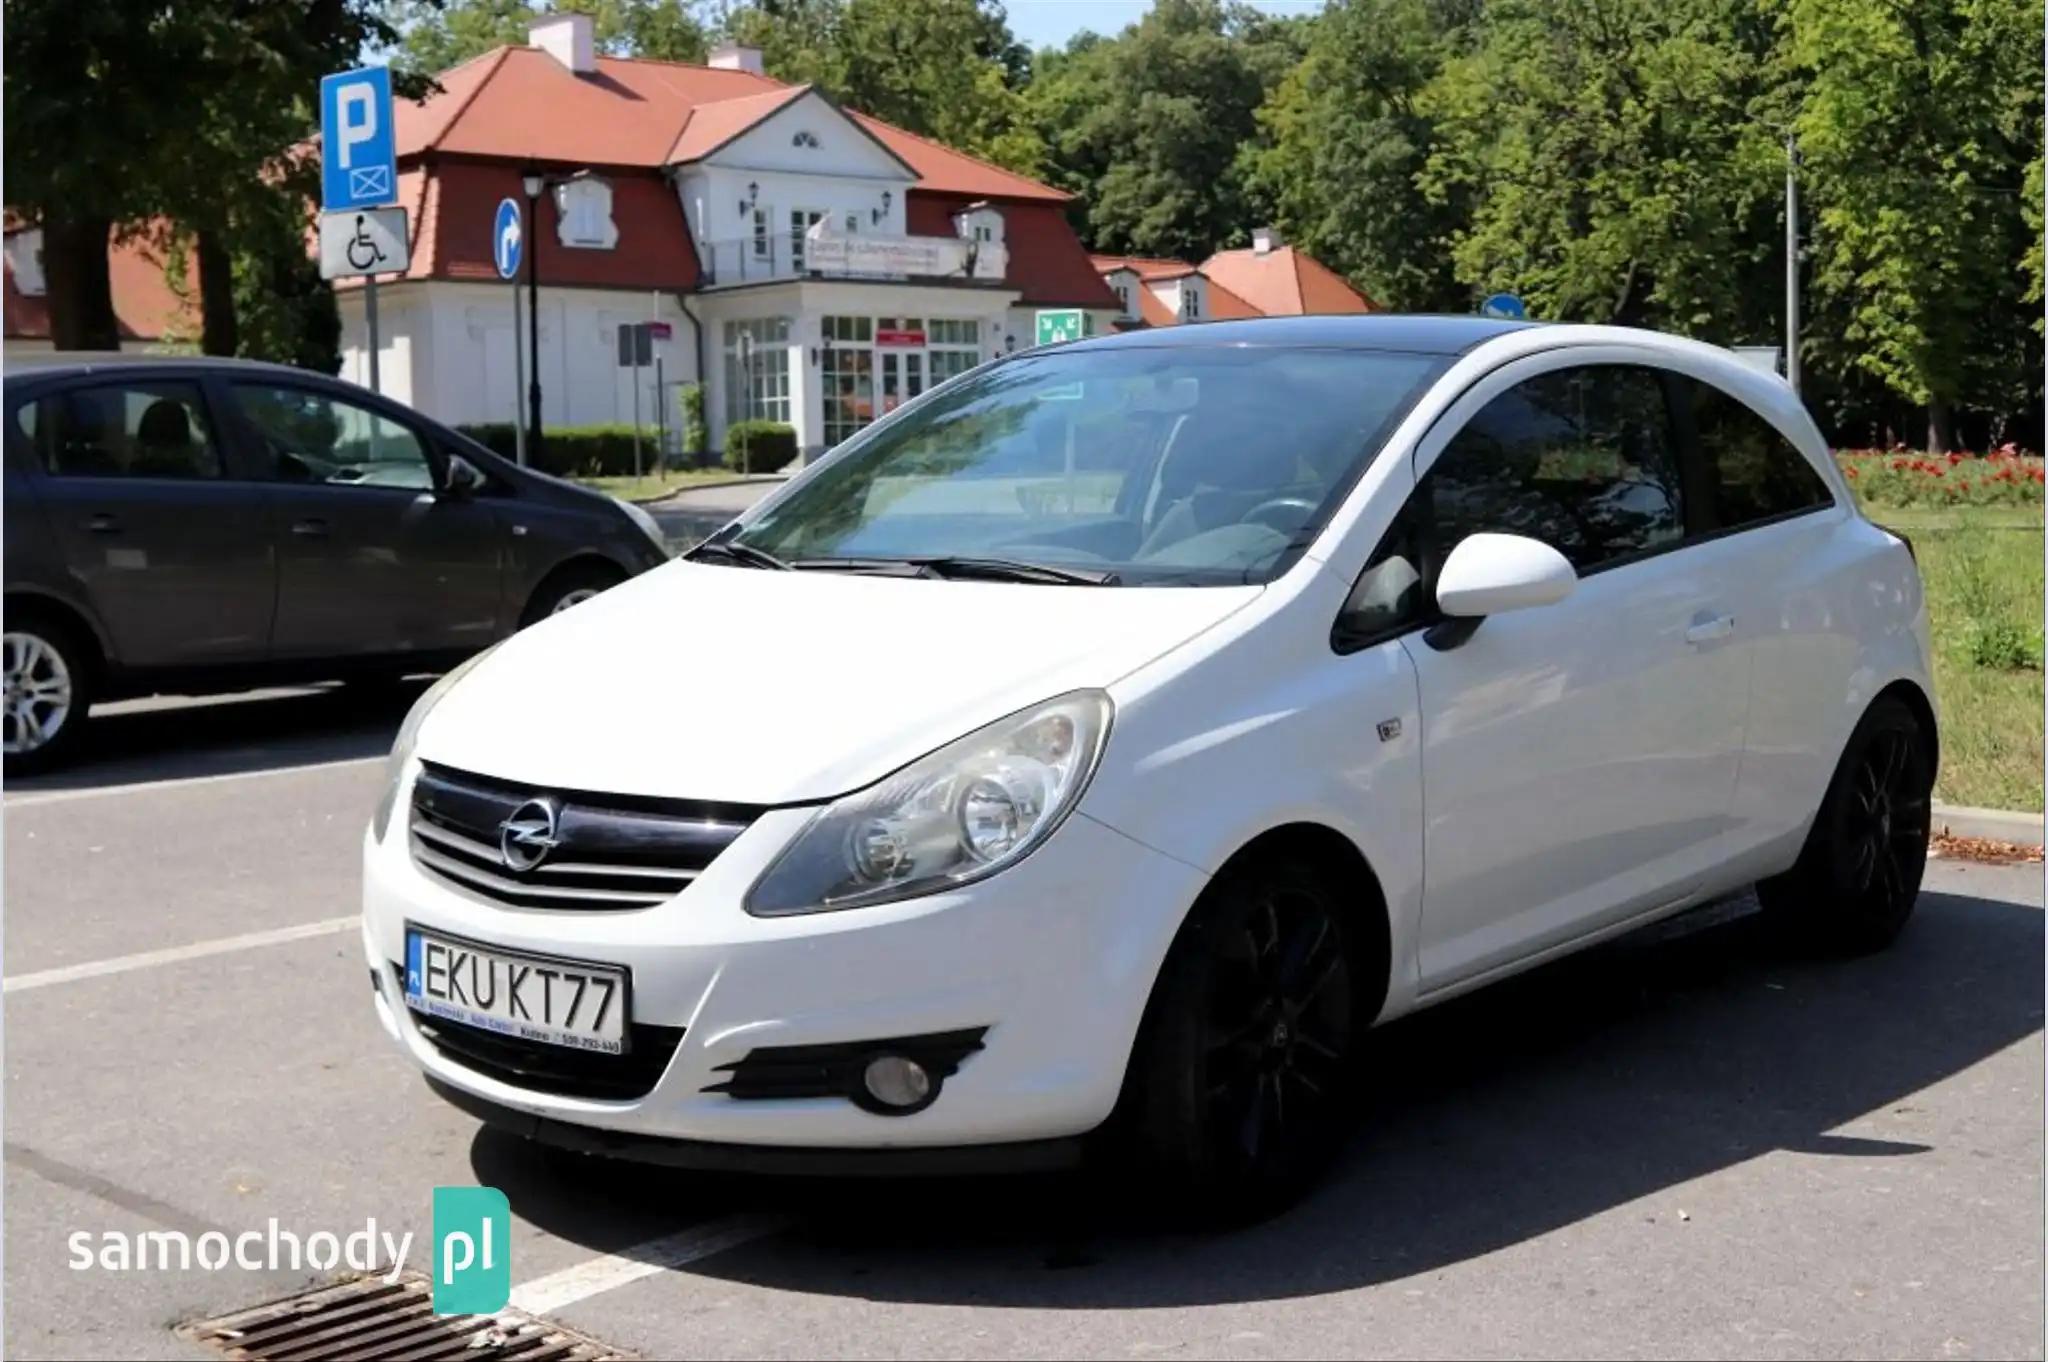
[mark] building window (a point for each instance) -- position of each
(763, 231)
(1123, 294)
(801, 220)
(757, 370)
(955, 345)
(585, 208)
(848, 374)
(1190, 303)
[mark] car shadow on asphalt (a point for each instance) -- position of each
(1498, 1118)
(175, 739)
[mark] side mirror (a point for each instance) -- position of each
(1490, 574)
(462, 479)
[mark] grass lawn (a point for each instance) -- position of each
(1983, 570)
(644, 489)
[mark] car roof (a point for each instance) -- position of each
(45, 363)
(1412, 332)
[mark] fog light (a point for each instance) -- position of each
(897, 1083)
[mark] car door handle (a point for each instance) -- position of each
(1707, 630)
(102, 524)
(311, 528)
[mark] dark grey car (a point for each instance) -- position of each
(184, 524)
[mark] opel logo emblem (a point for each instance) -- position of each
(526, 838)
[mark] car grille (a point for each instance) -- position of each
(610, 851)
(557, 1069)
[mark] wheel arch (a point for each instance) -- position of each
(66, 614)
(1338, 862)
(1909, 693)
(582, 560)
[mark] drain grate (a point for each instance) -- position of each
(371, 1318)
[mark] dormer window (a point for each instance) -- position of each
(25, 255)
(1123, 295)
(804, 138)
(585, 207)
(1190, 301)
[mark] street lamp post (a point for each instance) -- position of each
(533, 183)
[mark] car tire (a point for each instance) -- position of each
(1858, 875)
(49, 676)
(567, 587)
(1242, 1082)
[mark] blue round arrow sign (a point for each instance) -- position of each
(1504, 305)
(507, 238)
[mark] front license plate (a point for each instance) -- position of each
(559, 1002)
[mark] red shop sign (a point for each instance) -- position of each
(883, 337)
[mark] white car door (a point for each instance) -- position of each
(1579, 759)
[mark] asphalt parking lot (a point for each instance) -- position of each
(1678, 1144)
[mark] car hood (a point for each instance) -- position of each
(764, 687)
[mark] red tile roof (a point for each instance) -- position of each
(145, 308)
(1284, 282)
(1146, 266)
(707, 127)
(1047, 265)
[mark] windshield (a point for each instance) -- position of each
(1170, 465)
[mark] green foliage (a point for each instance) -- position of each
(1919, 121)
(759, 446)
(946, 69)
(444, 33)
(696, 432)
(1348, 140)
(573, 451)
(1154, 129)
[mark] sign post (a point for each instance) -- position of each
(359, 170)
(507, 240)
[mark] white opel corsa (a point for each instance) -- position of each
(1106, 739)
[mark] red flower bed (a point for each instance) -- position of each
(2005, 476)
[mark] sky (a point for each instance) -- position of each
(1049, 23)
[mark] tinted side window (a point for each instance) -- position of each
(1389, 592)
(1582, 459)
(309, 436)
(1756, 473)
(122, 430)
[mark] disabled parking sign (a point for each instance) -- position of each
(358, 154)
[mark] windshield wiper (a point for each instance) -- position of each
(733, 551)
(1010, 570)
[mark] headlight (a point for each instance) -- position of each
(409, 735)
(948, 819)
(647, 524)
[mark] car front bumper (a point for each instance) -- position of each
(1055, 956)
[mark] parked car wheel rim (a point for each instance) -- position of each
(1278, 1040)
(573, 598)
(38, 695)
(1885, 830)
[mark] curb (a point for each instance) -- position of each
(739, 480)
(1994, 825)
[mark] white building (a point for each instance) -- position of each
(813, 265)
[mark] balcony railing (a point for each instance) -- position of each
(887, 258)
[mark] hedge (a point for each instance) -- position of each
(576, 451)
(759, 446)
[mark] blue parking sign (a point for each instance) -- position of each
(358, 156)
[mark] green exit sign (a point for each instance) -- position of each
(1063, 324)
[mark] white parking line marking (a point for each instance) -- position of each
(29, 797)
(545, 1295)
(171, 955)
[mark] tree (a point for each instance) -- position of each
(1148, 127)
(1348, 140)
(1605, 162)
(229, 90)
(946, 69)
(1918, 123)
(439, 36)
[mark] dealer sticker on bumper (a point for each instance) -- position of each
(538, 998)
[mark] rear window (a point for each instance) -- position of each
(151, 429)
(1757, 473)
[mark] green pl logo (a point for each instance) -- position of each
(472, 1250)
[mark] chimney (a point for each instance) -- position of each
(737, 57)
(568, 38)
(1266, 240)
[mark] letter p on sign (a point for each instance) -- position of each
(358, 155)
(472, 1250)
